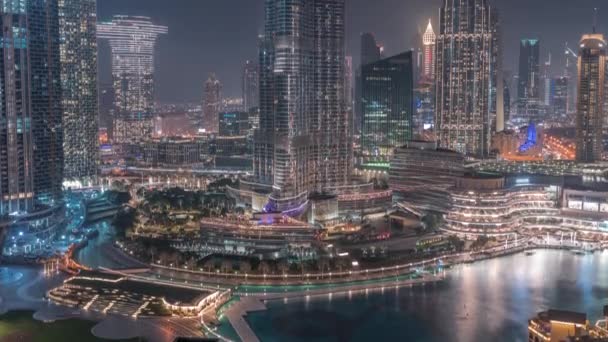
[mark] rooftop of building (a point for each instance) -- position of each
(483, 175)
(426, 145)
(172, 294)
(563, 316)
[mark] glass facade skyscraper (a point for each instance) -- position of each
(132, 40)
(31, 133)
(468, 61)
(77, 26)
(387, 100)
(304, 141)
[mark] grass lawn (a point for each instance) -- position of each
(20, 326)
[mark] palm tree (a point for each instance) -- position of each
(226, 266)
(210, 264)
(283, 266)
(245, 266)
(264, 267)
(323, 265)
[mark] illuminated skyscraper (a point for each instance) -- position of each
(528, 89)
(132, 40)
(77, 26)
(31, 133)
(466, 76)
(428, 51)
(251, 86)
(212, 104)
(388, 92)
(591, 106)
(304, 142)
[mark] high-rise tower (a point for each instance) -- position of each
(212, 104)
(304, 142)
(251, 85)
(371, 51)
(77, 26)
(560, 96)
(528, 89)
(591, 99)
(466, 76)
(388, 105)
(31, 132)
(132, 40)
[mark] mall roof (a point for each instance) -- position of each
(172, 294)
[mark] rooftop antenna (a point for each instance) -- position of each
(595, 19)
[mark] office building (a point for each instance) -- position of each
(233, 123)
(560, 97)
(77, 27)
(466, 96)
(132, 41)
(31, 132)
(304, 142)
(591, 98)
(424, 107)
(251, 86)
(371, 51)
(528, 89)
(173, 152)
(387, 100)
(232, 104)
(212, 104)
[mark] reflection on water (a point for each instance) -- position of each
(486, 301)
(8, 275)
(92, 255)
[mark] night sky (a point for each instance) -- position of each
(219, 35)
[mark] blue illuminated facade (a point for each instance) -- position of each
(530, 139)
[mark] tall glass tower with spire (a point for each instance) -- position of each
(304, 142)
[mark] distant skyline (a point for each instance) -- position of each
(219, 35)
